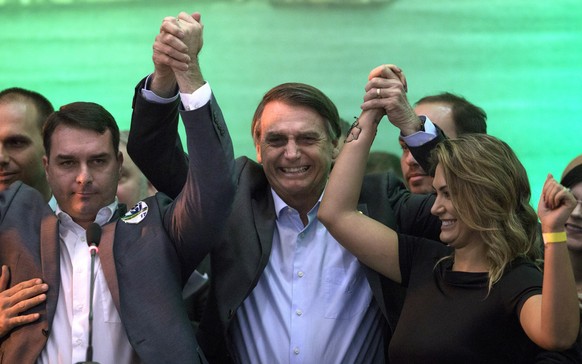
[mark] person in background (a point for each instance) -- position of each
(382, 162)
(22, 115)
(133, 185)
(572, 179)
(455, 116)
(478, 299)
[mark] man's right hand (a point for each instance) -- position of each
(18, 299)
(169, 53)
(175, 55)
(190, 78)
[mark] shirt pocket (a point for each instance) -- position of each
(347, 292)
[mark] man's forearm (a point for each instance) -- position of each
(154, 144)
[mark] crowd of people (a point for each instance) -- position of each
(304, 254)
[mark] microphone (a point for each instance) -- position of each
(93, 235)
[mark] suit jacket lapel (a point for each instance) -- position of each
(264, 218)
(108, 261)
(50, 262)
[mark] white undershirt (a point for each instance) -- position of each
(68, 338)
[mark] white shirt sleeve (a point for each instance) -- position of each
(192, 101)
(196, 99)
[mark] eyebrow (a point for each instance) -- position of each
(301, 134)
(18, 137)
(274, 134)
(71, 156)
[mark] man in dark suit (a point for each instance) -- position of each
(281, 287)
(23, 113)
(145, 256)
(455, 116)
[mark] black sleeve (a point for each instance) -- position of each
(422, 153)
(571, 356)
(154, 143)
(412, 211)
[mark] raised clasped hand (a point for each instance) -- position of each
(386, 90)
(178, 43)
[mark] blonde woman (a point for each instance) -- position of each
(478, 298)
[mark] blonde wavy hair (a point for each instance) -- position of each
(490, 190)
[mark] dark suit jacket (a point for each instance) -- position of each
(145, 264)
(240, 256)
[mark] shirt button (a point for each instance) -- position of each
(299, 312)
(78, 342)
(296, 351)
(300, 274)
(79, 307)
(301, 236)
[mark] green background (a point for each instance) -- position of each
(521, 60)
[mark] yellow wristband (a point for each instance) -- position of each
(552, 238)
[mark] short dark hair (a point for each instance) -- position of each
(468, 118)
(42, 104)
(82, 115)
(299, 94)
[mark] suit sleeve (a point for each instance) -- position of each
(198, 215)
(422, 152)
(154, 143)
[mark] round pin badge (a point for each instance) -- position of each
(136, 214)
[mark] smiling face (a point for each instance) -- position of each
(574, 223)
(454, 231)
(83, 171)
(296, 152)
